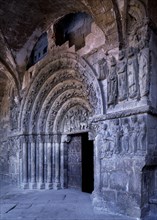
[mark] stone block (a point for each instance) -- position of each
(125, 164)
(107, 165)
(129, 204)
(119, 180)
(135, 183)
(109, 195)
(105, 180)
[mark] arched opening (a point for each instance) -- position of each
(73, 27)
(63, 101)
(39, 50)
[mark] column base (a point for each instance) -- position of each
(41, 185)
(56, 186)
(33, 185)
(48, 186)
(25, 185)
(96, 199)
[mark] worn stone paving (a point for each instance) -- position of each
(65, 204)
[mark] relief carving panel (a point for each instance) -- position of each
(76, 119)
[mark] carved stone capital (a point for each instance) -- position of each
(32, 138)
(24, 139)
(56, 138)
(40, 138)
(66, 138)
(48, 138)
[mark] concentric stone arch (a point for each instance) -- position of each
(64, 77)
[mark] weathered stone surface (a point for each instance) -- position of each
(102, 82)
(119, 180)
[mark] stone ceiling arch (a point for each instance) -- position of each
(26, 29)
(45, 89)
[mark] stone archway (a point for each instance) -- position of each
(65, 91)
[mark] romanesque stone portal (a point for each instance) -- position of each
(78, 101)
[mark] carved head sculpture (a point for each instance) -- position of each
(121, 54)
(134, 119)
(105, 127)
(116, 122)
(131, 52)
(124, 121)
(113, 61)
(144, 43)
(141, 120)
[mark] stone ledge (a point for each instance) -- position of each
(125, 113)
(153, 200)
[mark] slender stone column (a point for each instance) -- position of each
(57, 162)
(62, 164)
(96, 195)
(33, 161)
(41, 184)
(63, 160)
(49, 184)
(25, 184)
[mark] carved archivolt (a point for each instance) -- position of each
(58, 81)
(78, 105)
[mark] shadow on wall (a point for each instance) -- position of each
(149, 190)
(39, 50)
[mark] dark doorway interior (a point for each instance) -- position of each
(80, 163)
(87, 164)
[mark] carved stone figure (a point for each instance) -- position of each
(142, 135)
(117, 133)
(125, 137)
(122, 76)
(112, 83)
(133, 70)
(108, 143)
(76, 119)
(103, 69)
(143, 69)
(134, 132)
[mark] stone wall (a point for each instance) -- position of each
(120, 149)
(106, 88)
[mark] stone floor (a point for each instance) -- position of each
(48, 205)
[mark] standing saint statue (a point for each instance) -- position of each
(144, 69)
(133, 71)
(122, 76)
(112, 83)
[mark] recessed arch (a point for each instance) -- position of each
(56, 126)
(59, 69)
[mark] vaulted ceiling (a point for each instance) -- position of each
(22, 19)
